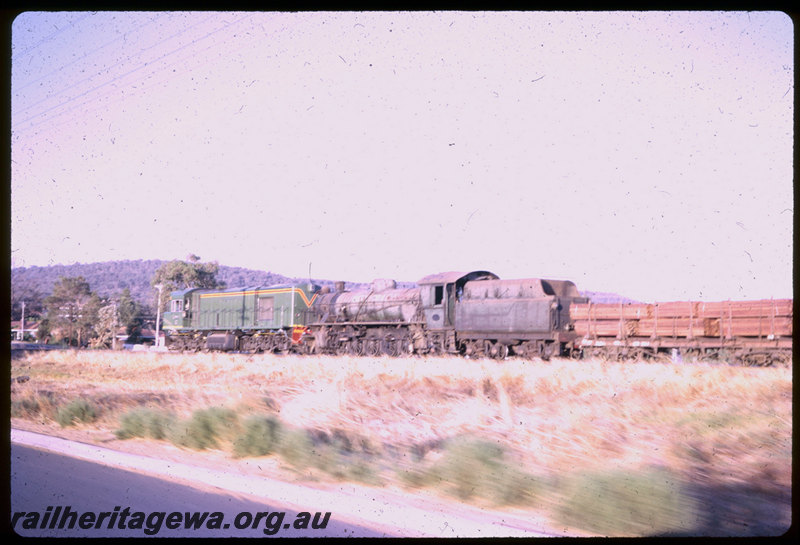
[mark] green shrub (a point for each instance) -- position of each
(260, 436)
(617, 503)
(204, 428)
(144, 422)
(295, 447)
(363, 472)
(474, 468)
(76, 411)
(27, 406)
(415, 477)
(466, 465)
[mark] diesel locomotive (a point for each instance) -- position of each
(255, 318)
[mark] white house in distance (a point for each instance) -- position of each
(18, 334)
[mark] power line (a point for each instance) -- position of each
(49, 37)
(108, 82)
(95, 100)
(63, 67)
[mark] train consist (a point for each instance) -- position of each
(472, 314)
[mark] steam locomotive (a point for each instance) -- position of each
(473, 314)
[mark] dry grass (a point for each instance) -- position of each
(712, 427)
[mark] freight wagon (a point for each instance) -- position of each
(749, 332)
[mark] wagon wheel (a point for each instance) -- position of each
(632, 354)
(782, 358)
(756, 359)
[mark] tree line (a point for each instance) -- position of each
(110, 280)
(75, 315)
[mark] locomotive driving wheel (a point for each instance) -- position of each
(373, 347)
(355, 347)
(390, 346)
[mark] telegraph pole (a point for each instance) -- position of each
(158, 312)
(21, 335)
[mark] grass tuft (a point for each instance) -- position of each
(144, 422)
(617, 503)
(205, 428)
(78, 410)
(474, 468)
(296, 448)
(260, 436)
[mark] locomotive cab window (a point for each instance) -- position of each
(177, 305)
(438, 295)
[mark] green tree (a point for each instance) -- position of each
(72, 309)
(179, 275)
(43, 333)
(128, 312)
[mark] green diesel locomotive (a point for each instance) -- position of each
(248, 319)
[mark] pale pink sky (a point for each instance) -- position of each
(648, 154)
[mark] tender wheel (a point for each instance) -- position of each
(501, 351)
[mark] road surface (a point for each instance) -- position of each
(42, 480)
(48, 474)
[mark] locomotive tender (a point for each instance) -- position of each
(472, 313)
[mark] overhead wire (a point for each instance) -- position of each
(95, 99)
(143, 64)
(107, 69)
(63, 67)
(16, 58)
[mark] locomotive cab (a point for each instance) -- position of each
(440, 293)
(177, 314)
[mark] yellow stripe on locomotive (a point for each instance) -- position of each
(256, 308)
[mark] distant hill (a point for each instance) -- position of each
(110, 278)
(604, 297)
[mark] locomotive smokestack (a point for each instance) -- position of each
(338, 286)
